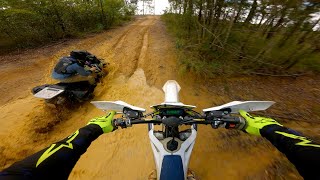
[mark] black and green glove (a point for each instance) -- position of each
(105, 122)
(255, 124)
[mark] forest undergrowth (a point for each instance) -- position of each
(276, 38)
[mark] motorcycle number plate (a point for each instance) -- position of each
(48, 93)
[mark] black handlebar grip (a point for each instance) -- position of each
(119, 122)
(241, 123)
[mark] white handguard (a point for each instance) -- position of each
(248, 106)
(115, 106)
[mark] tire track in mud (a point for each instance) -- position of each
(127, 145)
(144, 48)
(36, 112)
(128, 54)
(120, 41)
(118, 87)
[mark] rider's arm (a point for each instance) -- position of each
(76, 68)
(301, 151)
(57, 160)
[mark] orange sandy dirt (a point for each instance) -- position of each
(142, 58)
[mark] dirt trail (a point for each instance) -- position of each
(142, 58)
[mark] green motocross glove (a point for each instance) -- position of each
(86, 67)
(105, 122)
(255, 124)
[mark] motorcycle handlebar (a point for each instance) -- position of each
(231, 122)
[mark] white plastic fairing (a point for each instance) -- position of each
(171, 91)
(184, 152)
(248, 106)
(48, 93)
(115, 106)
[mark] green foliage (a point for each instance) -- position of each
(16, 26)
(310, 62)
(269, 37)
(27, 23)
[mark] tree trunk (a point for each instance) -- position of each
(218, 8)
(59, 18)
(229, 28)
(190, 14)
(305, 34)
(252, 12)
(185, 6)
(262, 18)
(240, 6)
(209, 13)
(290, 32)
(200, 11)
(296, 57)
(303, 16)
(280, 21)
(103, 16)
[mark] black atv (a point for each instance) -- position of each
(61, 92)
(72, 92)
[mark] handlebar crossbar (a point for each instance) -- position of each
(214, 122)
(145, 121)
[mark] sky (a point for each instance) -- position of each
(160, 5)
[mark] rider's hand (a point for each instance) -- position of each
(100, 74)
(93, 69)
(87, 68)
(255, 124)
(105, 122)
(103, 64)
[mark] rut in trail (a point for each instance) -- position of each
(142, 58)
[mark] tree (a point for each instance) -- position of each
(32, 22)
(271, 33)
(252, 12)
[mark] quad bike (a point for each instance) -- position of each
(75, 92)
(172, 146)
